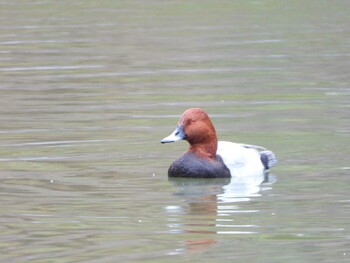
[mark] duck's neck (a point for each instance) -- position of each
(205, 150)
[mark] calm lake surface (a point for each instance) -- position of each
(89, 88)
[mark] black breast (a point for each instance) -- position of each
(190, 165)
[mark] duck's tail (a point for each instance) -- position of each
(268, 159)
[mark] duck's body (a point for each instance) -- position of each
(190, 165)
(208, 158)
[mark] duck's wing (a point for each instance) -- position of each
(251, 146)
(268, 158)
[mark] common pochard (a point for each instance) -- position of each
(209, 158)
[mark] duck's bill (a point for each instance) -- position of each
(177, 135)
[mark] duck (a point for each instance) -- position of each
(207, 157)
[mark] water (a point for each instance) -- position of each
(88, 89)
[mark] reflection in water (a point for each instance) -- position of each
(217, 201)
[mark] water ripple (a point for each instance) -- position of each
(50, 68)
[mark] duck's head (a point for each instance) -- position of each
(195, 127)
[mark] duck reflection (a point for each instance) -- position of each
(210, 204)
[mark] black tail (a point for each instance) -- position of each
(268, 159)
